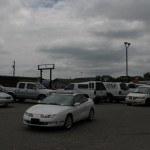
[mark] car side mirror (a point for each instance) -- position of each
(76, 104)
(39, 101)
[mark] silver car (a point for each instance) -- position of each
(60, 110)
(5, 99)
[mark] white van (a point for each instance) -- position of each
(141, 95)
(94, 89)
(116, 91)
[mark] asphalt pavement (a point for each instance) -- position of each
(115, 127)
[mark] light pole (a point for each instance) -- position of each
(127, 45)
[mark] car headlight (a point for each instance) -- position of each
(28, 114)
(2, 97)
(48, 116)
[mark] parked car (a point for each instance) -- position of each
(28, 90)
(60, 109)
(141, 95)
(116, 91)
(5, 99)
(133, 86)
(94, 89)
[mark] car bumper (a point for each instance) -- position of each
(5, 102)
(42, 122)
(135, 101)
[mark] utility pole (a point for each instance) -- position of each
(14, 68)
(126, 46)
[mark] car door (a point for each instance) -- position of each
(100, 89)
(20, 90)
(81, 109)
(31, 91)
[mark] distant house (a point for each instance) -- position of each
(60, 83)
(11, 81)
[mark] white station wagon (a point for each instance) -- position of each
(60, 110)
(5, 99)
(141, 95)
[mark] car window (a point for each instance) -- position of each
(80, 99)
(123, 86)
(131, 85)
(84, 98)
(83, 86)
(21, 85)
(30, 86)
(91, 85)
(69, 87)
(100, 86)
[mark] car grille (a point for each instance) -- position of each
(132, 98)
(36, 122)
(8, 97)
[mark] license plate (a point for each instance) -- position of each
(35, 121)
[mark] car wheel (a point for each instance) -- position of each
(68, 122)
(91, 115)
(129, 104)
(109, 98)
(21, 100)
(13, 96)
(147, 102)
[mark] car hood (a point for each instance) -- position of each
(47, 109)
(4, 94)
(137, 94)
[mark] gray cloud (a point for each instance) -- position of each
(40, 3)
(77, 35)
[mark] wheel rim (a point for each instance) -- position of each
(68, 122)
(91, 114)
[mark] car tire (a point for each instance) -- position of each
(109, 98)
(91, 115)
(147, 102)
(129, 104)
(13, 96)
(68, 122)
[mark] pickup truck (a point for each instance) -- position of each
(93, 89)
(27, 90)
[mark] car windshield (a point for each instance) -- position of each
(40, 86)
(58, 99)
(144, 90)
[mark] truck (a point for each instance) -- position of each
(27, 90)
(116, 91)
(93, 89)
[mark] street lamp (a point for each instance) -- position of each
(127, 45)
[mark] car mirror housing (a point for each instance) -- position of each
(77, 104)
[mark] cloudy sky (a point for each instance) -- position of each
(81, 37)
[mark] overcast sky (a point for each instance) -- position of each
(81, 37)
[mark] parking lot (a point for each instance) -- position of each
(115, 127)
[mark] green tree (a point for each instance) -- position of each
(147, 75)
